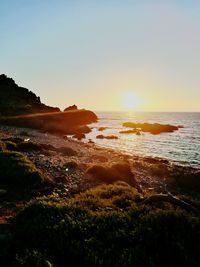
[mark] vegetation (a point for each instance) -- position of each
(2, 146)
(16, 169)
(106, 226)
(113, 173)
(15, 100)
(32, 259)
(11, 146)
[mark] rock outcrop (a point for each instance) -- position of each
(21, 107)
(153, 128)
(16, 100)
(73, 107)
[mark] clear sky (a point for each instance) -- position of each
(104, 54)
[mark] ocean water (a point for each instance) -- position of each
(182, 146)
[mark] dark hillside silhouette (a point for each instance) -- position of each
(16, 100)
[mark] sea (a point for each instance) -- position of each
(181, 147)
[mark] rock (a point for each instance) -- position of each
(102, 128)
(100, 158)
(134, 131)
(153, 128)
(79, 136)
(90, 141)
(128, 131)
(106, 137)
(73, 107)
(16, 100)
(138, 132)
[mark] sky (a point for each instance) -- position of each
(141, 55)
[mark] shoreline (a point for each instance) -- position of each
(150, 173)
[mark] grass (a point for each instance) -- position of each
(105, 226)
(16, 169)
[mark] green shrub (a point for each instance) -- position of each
(2, 146)
(11, 146)
(29, 146)
(32, 259)
(113, 173)
(92, 229)
(16, 169)
(189, 180)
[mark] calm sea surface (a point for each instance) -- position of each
(182, 146)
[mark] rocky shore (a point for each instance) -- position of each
(70, 168)
(54, 151)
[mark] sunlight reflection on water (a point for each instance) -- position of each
(182, 146)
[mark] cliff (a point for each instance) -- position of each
(16, 100)
(21, 107)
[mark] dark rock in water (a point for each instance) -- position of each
(102, 129)
(79, 136)
(73, 107)
(138, 132)
(153, 128)
(16, 100)
(90, 141)
(128, 131)
(106, 137)
(134, 131)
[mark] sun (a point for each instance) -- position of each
(130, 101)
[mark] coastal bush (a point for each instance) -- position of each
(2, 146)
(188, 179)
(67, 151)
(91, 229)
(16, 169)
(32, 259)
(29, 146)
(11, 146)
(110, 174)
